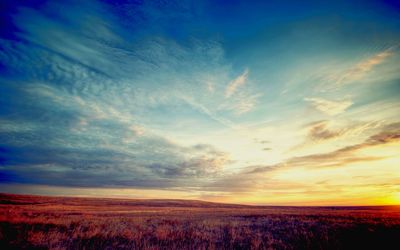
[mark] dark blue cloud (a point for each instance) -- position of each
(70, 70)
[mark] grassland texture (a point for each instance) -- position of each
(36, 222)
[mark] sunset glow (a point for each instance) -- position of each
(251, 102)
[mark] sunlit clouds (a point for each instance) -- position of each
(329, 107)
(362, 68)
(236, 83)
(187, 100)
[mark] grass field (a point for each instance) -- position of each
(37, 222)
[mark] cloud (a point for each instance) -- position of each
(342, 156)
(362, 68)
(261, 141)
(83, 101)
(240, 104)
(170, 165)
(254, 177)
(319, 131)
(329, 107)
(100, 95)
(322, 130)
(204, 110)
(236, 83)
(210, 87)
(359, 71)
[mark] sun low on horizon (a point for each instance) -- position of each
(251, 102)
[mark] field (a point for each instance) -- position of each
(38, 222)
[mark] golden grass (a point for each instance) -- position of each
(34, 222)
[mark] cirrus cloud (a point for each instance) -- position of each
(329, 107)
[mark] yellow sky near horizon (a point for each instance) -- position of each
(251, 105)
(374, 182)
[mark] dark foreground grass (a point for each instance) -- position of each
(33, 222)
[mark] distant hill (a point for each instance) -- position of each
(126, 203)
(18, 199)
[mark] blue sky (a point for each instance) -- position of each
(241, 101)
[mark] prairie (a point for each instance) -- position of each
(39, 222)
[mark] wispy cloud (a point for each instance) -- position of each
(236, 83)
(322, 130)
(210, 86)
(204, 110)
(329, 107)
(254, 177)
(319, 131)
(242, 103)
(362, 68)
(344, 155)
(356, 72)
(87, 102)
(110, 166)
(239, 100)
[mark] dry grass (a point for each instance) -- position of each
(32, 222)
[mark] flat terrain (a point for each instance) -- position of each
(37, 222)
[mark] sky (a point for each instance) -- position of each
(253, 102)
